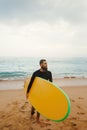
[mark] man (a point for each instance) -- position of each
(43, 73)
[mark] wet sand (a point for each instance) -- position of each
(15, 110)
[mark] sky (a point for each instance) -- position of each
(43, 28)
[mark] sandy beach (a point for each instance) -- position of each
(15, 109)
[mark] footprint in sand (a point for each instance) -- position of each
(44, 124)
(15, 103)
(8, 125)
(80, 98)
(73, 124)
(2, 115)
(30, 128)
(80, 113)
(78, 106)
(73, 118)
(72, 100)
(15, 106)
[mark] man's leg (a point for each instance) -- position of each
(32, 111)
(38, 116)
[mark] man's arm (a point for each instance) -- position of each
(31, 82)
(50, 78)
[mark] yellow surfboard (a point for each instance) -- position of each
(48, 99)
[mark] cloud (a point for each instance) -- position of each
(25, 11)
(41, 39)
(43, 27)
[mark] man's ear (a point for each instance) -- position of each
(40, 65)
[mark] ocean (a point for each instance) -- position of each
(22, 67)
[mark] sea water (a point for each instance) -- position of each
(22, 67)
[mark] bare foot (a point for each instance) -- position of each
(38, 121)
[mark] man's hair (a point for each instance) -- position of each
(41, 61)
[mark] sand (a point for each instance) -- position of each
(15, 109)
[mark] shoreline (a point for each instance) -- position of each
(61, 82)
(64, 77)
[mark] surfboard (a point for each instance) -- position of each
(48, 99)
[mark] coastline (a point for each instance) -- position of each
(61, 82)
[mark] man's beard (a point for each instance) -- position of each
(45, 69)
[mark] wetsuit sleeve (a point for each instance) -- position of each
(50, 78)
(31, 81)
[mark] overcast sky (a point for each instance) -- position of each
(43, 28)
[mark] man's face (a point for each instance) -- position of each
(44, 65)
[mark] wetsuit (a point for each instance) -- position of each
(45, 75)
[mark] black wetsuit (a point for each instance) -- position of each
(45, 75)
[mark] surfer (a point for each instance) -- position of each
(43, 73)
